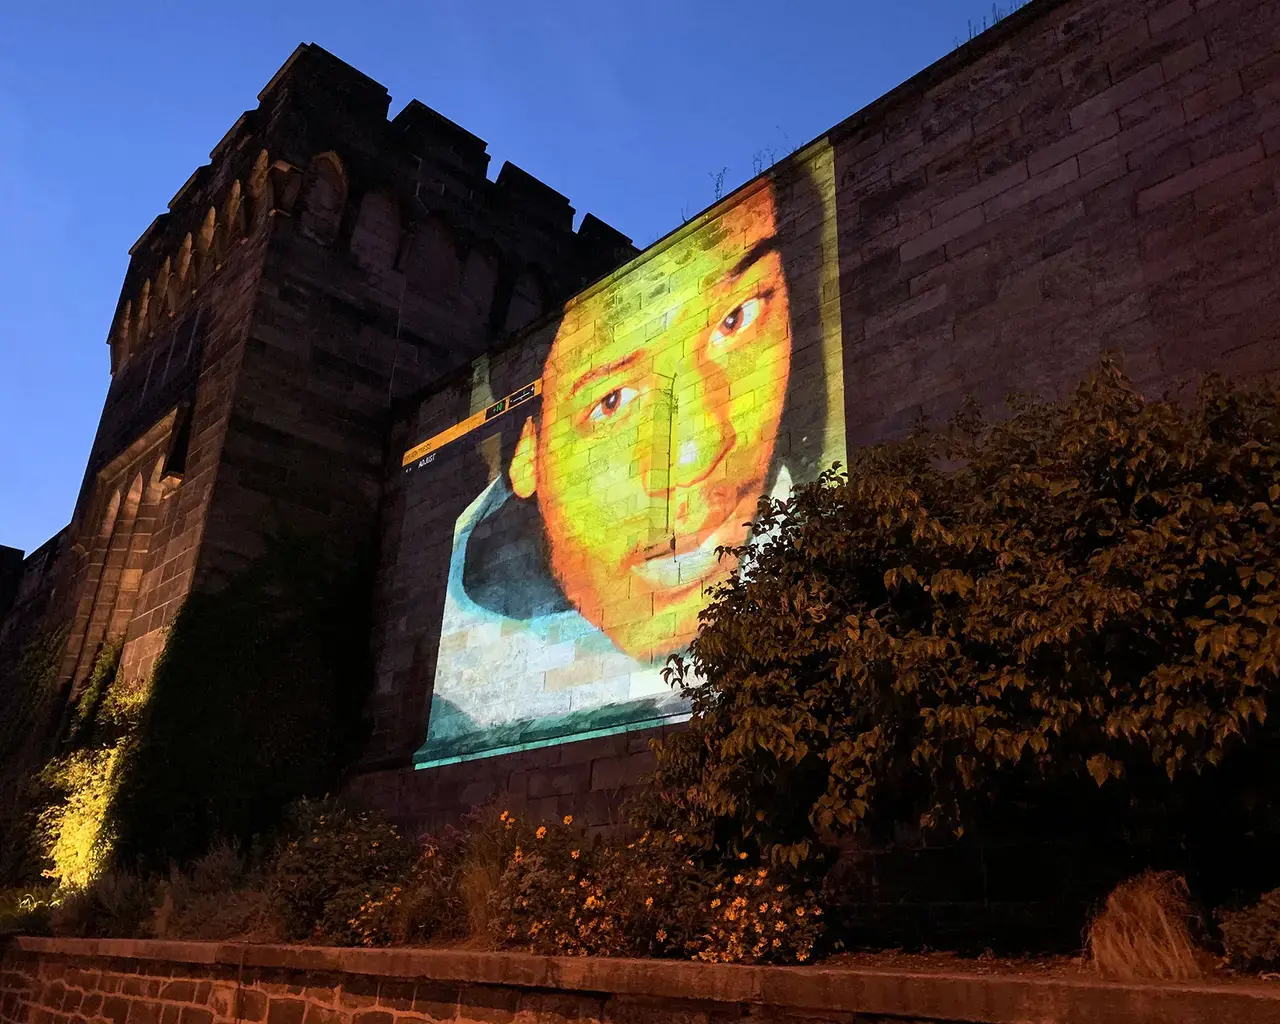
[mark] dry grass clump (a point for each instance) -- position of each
(1143, 931)
(221, 895)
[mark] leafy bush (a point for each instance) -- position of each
(339, 861)
(1251, 937)
(1080, 599)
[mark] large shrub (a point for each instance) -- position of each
(1071, 612)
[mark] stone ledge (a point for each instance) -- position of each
(951, 996)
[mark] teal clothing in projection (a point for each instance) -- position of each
(517, 666)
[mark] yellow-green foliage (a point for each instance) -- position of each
(75, 829)
(25, 910)
(77, 838)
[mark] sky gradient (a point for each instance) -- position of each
(631, 110)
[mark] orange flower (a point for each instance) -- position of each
(542, 832)
(568, 819)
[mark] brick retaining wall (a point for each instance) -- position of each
(125, 981)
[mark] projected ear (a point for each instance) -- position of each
(524, 464)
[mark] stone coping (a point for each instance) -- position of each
(953, 996)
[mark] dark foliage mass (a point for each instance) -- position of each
(1062, 624)
(256, 701)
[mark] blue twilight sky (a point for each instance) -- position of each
(106, 107)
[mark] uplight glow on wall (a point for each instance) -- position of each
(671, 398)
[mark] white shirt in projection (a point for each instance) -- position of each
(504, 683)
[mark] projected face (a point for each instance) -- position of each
(662, 395)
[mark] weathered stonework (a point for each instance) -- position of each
(122, 981)
(1088, 176)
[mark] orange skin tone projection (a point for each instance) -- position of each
(662, 395)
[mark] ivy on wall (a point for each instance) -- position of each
(30, 698)
(256, 700)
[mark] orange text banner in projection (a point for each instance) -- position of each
(422, 454)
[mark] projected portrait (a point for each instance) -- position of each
(670, 399)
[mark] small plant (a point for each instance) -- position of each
(1251, 937)
(998, 14)
(26, 910)
(1143, 932)
(717, 182)
(115, 904)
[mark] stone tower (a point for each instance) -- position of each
(326, 262)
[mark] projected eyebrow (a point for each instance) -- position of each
(758, 252)
(600, 372)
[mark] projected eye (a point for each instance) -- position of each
(608, 406)
(738, 320)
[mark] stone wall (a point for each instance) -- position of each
(70, 981)
(324, 262)
(1089, 176)
(1102, 177)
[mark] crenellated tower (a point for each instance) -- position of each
(324, 263)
